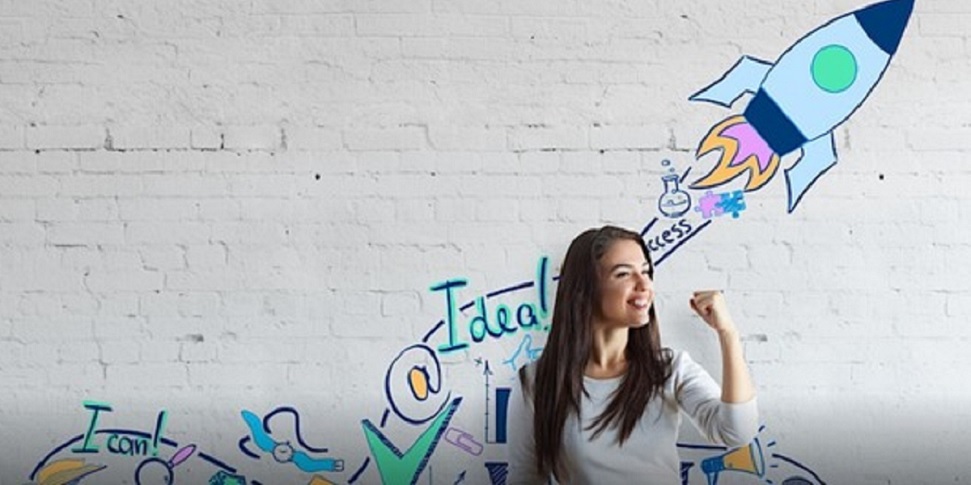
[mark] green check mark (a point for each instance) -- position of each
(404, 468)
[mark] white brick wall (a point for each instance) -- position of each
(214, 206)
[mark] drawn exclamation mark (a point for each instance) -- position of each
(159, 428)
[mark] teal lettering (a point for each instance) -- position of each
(503, 318)
(479, 325)
(544, 309)
(453, 339)
(159, 428)
(531, 319)
(96, 408)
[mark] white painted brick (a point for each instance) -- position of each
(578, 210)
(495, 210)
(263, 185)
(582, 186)
(262, 233)
(223, 280)
(183, 185)
(374, 210)
(17, 210)
(205, 137)
(145, 209)
(11, 137)
(194, 352)
(404, 304)
(235, 376)
(124, 281)
(118, 352)
(19, 185)
(945, 24)
(404, 25)
(332, 6)
(97, 210)
(147, 375)
(314, 138)
(546, 138)
(539, 162)
(422, 233)
(21, 234)
(219, 209)
(88, 233)
(149, 137)
(405, 138)
(253, 137)
(608, 137)
(18, 162)
(467, 138)
(208, 256)
(163, 233)
(65, 137)
(101, 185)
(56, 162)
(415, 210)
(60, 329)
(102, 161)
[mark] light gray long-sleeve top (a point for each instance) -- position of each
(650, 454)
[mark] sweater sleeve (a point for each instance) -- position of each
(699, 396)
(521, 444)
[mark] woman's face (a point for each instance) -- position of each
(626, 289)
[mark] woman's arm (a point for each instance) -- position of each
(736, 382)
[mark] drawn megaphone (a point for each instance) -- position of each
(746, 459)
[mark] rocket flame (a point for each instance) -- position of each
(743, 149)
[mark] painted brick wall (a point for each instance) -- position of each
(210, 207)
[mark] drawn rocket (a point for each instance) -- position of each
(811, 89)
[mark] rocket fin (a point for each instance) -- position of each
(744, 77)
(818, 156)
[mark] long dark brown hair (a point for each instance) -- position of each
(559, 372)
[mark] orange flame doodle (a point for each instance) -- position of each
(743, 150)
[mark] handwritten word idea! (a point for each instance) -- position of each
(504, 320)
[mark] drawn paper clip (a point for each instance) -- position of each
(464, 441)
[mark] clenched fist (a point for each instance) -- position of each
(711, 307)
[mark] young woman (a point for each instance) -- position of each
(602, 404)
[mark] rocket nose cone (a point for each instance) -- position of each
(884, 22)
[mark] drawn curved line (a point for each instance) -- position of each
(54, 452)
(440, 324)
(262, 440)
(296, 424)
(357, 474)
(241, 444)
(648, 226)
(800, 465)
(216, 462)
(509, 289)
(138, 471)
